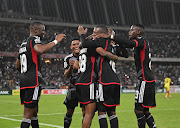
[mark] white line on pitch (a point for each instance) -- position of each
(10, 101)
(116, 111)
(50, 125)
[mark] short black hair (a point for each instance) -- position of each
(74, 39)
(104, 28)
(139, 25)
(34, 24)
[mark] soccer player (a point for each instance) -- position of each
(71, 100)
(167, 82)
(106, 78)
(28, 63)
(145, 92)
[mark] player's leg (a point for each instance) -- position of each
(139, 110)
(166, 94)
(113, 117)
(102, 109)
(71, 101)
(83, 111)
(29, 97)
(90, 109)
(68, 117)
(34, 118)
(26, 121)
(149, 118)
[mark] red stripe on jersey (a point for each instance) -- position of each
(148, 106)
(111, 105)
(85, 102)
(34, 57)
(27, 102)
(136, 42)
(102, 59)
(29, 87)
(142, 55)
(93, 61)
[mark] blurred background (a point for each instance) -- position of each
(161, 19)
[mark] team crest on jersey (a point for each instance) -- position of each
(37, 40)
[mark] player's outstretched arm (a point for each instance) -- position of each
(40, 49)
(107, 54)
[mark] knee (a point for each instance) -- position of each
(70, 112)
(137, 111)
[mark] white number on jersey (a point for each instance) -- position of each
(150, 61)
(113, 65)
(23, 62)
(82, 63)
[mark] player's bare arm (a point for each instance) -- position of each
(18, 67)
(107, 54)
(68, 71)
(40, 49)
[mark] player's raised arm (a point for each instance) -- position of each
(40, 49)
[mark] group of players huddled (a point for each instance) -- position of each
(91, 69)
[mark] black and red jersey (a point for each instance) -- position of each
(142, 56)
(87, 75)
(98, 66)
(30, 66)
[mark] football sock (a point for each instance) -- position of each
(150, 120)
(141, 119)
(34, 122)
(114, 121)
(103, 121)
(25, 123)
(67, 121)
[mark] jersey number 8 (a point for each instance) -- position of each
(82, 63)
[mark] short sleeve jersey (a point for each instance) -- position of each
(30, 66)
(67, 59)
(167, 82)
(86, 71)
(106, 67)
(142, 57)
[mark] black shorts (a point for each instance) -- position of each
(86, 93)
(145, 95)
(102, 108)
(30, 96)
(110, 94)
(71, 100)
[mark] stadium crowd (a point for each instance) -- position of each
(12, 34)
(53, 74)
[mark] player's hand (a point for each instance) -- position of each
(71, 63)
(81, 30)
(60, 37)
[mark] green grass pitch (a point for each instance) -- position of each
(52, 111)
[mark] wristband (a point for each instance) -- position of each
(55, 41)
(112, 37)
